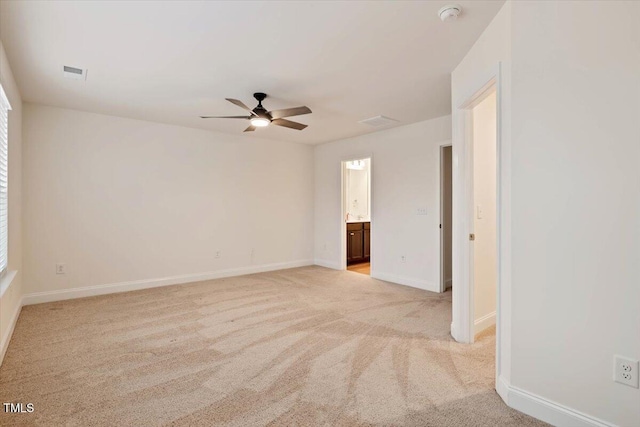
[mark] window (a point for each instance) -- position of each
(4, 178)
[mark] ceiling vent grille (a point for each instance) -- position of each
(74, 73)
(378, 121)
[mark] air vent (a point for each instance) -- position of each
(74, 73)
(378, 121)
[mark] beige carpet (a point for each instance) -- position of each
(300, 347)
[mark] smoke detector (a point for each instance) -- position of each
(449, 13)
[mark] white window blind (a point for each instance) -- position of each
(4, 179)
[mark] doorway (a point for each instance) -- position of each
(446, 218)
(484, 250)
(493, 80)
(356, 214)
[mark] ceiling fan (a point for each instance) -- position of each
(260, 117)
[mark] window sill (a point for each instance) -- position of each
(6, 281)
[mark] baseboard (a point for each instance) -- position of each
(448, 284)
(502, 388)
(484, 322)
(407, 281)
(544, 409)
(454, 332)
(4, 343)
(328, 264)
(89, 291)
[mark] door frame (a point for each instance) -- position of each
(467, 107)
(442, 147)
(462, 325)
(343, 203)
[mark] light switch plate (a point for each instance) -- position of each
(421, 211)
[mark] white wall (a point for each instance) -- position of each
(11, 285)
(119, 200)
(405, 163)
(484, 192)
(576, 202)
(570, 117)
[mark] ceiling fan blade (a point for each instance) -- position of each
(225, 117)
(289, 112)
(250, 129)
(288, 124)
(241, 105)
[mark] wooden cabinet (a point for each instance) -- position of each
(355, 247)
(367, 241)
(358, 242)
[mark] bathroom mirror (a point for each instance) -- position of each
(358, 190)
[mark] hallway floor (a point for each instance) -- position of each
(362, 268)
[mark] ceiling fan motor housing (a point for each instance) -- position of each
(260, 96)
(260, 110)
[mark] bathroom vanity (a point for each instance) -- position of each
(358, 242)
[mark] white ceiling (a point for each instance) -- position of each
(173, 61)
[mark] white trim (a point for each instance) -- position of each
(407, 281)
(463, 212)
(484, 322)
(544, 409)
(343, 205)
(4, 343)
(462, 295)
(502, 388)
(328, 264)
(89, 291)
(6, 280)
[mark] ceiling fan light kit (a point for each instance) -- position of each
(260, 122)
(260, 117)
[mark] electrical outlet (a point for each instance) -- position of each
(421, 211)
(61, 269)
(403, 258)
(217, 254)
(625, 371)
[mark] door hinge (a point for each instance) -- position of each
(472, 237)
